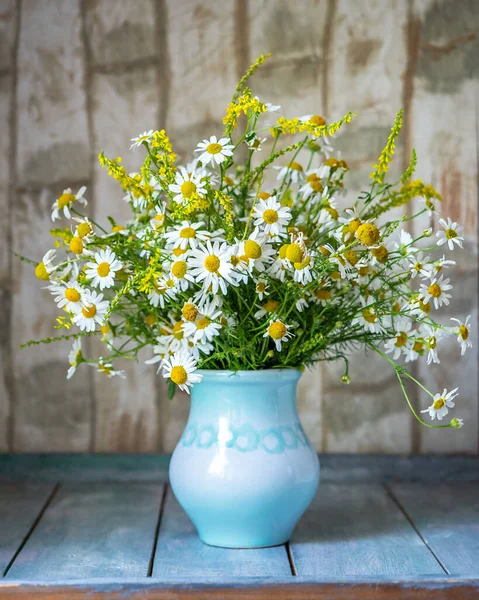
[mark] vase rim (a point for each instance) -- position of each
(258, 374)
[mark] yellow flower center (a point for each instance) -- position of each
(179, 375)
(103, 269)
(264, 195)
(189, 311)
(381, 254)
(228, 180)
(270, 216)
(282, 251)
(76, 245)
(188, 188)
(41, 272)
(150, 320)
(187, 232)
(89, 311)
(351, 257)
(332, 212)
(84, 229)
(294, 253)
(270, 306)
(418, 346)
(118, 228)
(234, 260)
(178, 330)
(212, 263)
(277, 330)
(354, 225)
(401, 339)
(72, 295)
(252, 249)
(179, 269)
(368, 234)
(65, 200)
(439, 403)
(425, 306)
(213, 148)
(295, 166)
(431, 342)
(434, 290)
(317, 120)
(260, 287)
(202, 323)
(335, 275)
(451, 233)
(323, 294)
(369, 316)
(464, 332)
(299, 266)
(178, 251)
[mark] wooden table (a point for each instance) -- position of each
(78, 526)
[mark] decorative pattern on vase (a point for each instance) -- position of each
(246, 438)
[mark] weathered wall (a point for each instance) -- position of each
(77, 76)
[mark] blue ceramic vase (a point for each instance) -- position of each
(244, 470)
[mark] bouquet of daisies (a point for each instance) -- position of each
(245, 259)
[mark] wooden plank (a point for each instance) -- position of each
(180, 553)
(93, 530)
(358, 531)
(20, 506)
(52, 152)
(447, 517)
(335, 468)
(446, 87)
(256, 588)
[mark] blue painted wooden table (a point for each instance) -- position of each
(76, 526)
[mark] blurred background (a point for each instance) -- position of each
(80, 76)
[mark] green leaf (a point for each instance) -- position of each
(171, 389)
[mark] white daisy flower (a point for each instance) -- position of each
(368, 317)
(312, 186)
(180, 273)
(452, 234)
(146, 136)
(403, 246)
(463, 331)
(207, 326)
(186, 235)
(441, 404)
(67, 295)
(256, 252)
(84, 229)
(211, 265)
(293, 172)
(180, 368)
(401, 341)
(262, 288)
(106, 368)
(163, 291)
(271, 216)
(437, 290)
(48, 263)
(186, 184)
(92, 312)
(66, 200)
(438, 265)
(214, 150)
(102, 271)
(271, 108)
(419, 265)
(254, 142)
(74, 358)
(278, 332)
(303, 271)
(432, 336)
(158, 219)
(196, 349)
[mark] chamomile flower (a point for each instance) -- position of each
(186, 184)
(84, 229)
(292, 172)
(180, 273)
(401, 341)
(271, 217)
(451, 234)
(256, 252)
(163, 291)
(159, 217)
(437, 291)
(268, 308)
(441, 403)
(271, 108)
(432, 335)
(262, 288)
(404, 244)
(312, 186)
(106, 368)
(214, 150)
(438, 265)
(146, 136)
(65, 201)
(92, 311)
(211, 266)
(368, 318)
(181, 369)
(186, 235)
(463, 332)
(278, 332)
(206, 326)
(254, 142)
(67, 295)
(102, 270)
(304, 270)
(419, 265)
(75, 357)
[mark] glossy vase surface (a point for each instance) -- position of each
(244, 470)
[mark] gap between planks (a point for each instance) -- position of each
(43, 510)
(396, 501)
(157, 529)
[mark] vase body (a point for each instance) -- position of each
(244, 470)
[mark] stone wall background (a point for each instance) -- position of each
(78, 76)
